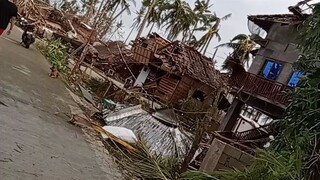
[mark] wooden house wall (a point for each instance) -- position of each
(166, 88)
(172, 89)
(143, 52)
(182, 89)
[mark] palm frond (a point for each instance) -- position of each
(240, 37)
(218, 36)
(226, 17)
(197, 175)
(143, 164)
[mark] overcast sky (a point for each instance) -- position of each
(237, 24)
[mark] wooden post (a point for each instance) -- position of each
(82, 56)
(105, 93)
(201, 129)
(84, 52)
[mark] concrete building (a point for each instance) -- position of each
(266, 85)
(261, 93)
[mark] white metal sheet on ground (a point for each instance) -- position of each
(120, 132)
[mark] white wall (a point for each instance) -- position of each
(142, 76)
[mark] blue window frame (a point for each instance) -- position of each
(272, 70)
(295, 78)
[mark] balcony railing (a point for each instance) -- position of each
(256, 133)
(257, 85)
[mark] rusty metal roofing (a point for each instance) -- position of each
(266, 21)
(110, 49)
(180, 58)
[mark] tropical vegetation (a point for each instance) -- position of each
(242, 46)
(180, 21)
(296, 152)
(56, 53)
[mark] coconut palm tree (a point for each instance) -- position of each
(151, 4)
(70, 6)
(242, 46)
(118, 26)
(125, 4)
(213, 31)
(179, 18)
(137, 21)
(202, 15)
(156, 16)
(89, 9)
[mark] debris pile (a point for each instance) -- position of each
(109, 56)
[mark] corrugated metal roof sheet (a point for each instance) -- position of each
(162, 139)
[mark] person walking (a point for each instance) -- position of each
(8, 14)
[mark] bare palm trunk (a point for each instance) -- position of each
(193, 30)
(114, 11)
(195, 145)
(90, 12)
(102, 6)
(109, 24)
(214, 54)
(116, 16)
(203, 46)
(129, 35)
(145, 18)
(114, 32)
(152, 26)
(207, 45)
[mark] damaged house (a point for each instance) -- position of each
(172, 72)
(261, 94)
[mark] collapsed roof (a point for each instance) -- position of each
(178, 58)
(183, 59)
(54, 19)
(266, 21)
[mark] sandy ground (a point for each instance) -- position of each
(36, 140)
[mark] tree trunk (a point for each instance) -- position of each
(90, 12)
(129, 35)
(145, 18)
(102, 12)
(116, 16)
(203, 46)
(214, 54)
(98, 14)
(109, 24)
(207, 45)
(195, 145)
(114, 11)
(114, 32)
(193, 30)
(152, 26)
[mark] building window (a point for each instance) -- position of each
(199, 95)
(295, 78)
(272, 69)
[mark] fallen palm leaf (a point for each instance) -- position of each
(143, 164)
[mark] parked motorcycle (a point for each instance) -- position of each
(28, 37)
